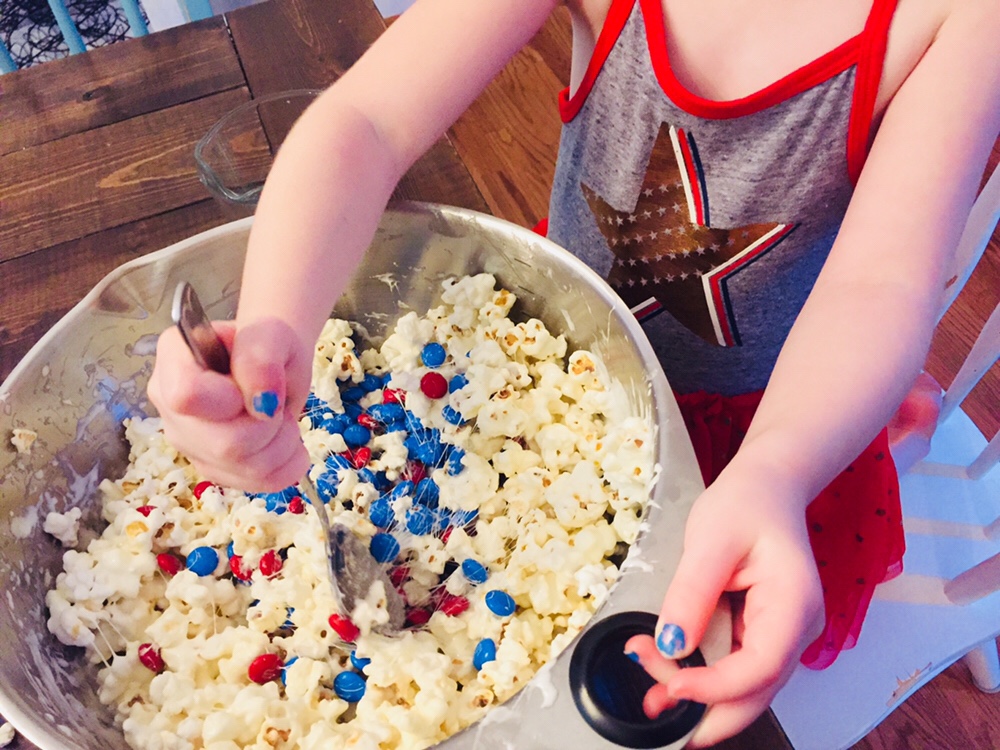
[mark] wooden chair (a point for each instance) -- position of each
(946, 604)
(162, 14)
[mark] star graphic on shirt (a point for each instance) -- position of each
(667, 255)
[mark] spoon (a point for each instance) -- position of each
(352, 569)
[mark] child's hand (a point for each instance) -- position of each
(240, 430)
(742, 536)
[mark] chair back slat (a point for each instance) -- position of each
(7, 64)
(134, 15)
(975, 237)
(980, 359)
(68, 28)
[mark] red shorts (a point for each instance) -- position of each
(855, 524)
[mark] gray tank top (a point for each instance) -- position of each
(710, 219)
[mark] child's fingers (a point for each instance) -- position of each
(705, 569)
(642, 649)
(281, 464)
(272, 368)
(778, 617)
(724, 721)
(179, 385)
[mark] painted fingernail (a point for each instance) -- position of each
(266, 402)
(633, 656)
(670, 641)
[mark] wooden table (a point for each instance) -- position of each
(97, 168)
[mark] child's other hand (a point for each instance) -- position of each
(748, 538)
(239, 430)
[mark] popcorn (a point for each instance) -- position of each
(22, 440)
(497, 500)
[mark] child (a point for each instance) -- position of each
(732, 168)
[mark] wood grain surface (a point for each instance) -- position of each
(116, 82)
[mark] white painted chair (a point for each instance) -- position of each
(945, 606)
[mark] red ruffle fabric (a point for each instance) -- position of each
(855, 524)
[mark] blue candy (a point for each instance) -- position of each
(326, 485)
(384, 547)
(367, 476)
(276, 502)
(433, 354)
(359, 662)
(202, 561)
(399, 426)
(474, 570)
(442, 519)
(387, 413)
(455, 465)
(288, 618)
(382, 482)
(349, 686)
(452, 416)
(229, 550)
(486, 651)
(464, 517)
(427, 493)
(500, 603)
(380, 513)
(357, 435)
(457, 383)
(352, 394)
(335, 424)
(371, 382)
(284, 669)
(419, 520)
(403, 489)
(353, 410)
(335, 462)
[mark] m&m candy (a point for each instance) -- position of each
(486, 651)
(433, 355)
(349, 686)
(343, 627)
(149, 657)
(384, 547)
(474, 570)
(265, 668)
(500, 603)
(202, 561)
(433, 385)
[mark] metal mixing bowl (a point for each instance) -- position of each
(89, 372)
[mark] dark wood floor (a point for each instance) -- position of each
(512, 161)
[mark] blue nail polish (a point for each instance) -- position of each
(670, 641)
(633, 656)
(266, 402)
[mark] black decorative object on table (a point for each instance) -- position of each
(29, 28)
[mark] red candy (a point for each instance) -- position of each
(414, 471)
(149, 656)
(168, 563)
(453, 605)
(446, 535)
(367, 420)
(241, 572)
(199, 489)
(434, 385)
(417, 617)
(145, 510)
(343, 627)
(398, 575)
(394, 396)
(360, 457)
(270, 564)
(265, 668)
(296, 506)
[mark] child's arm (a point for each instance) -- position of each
(317, 214)
(852, 354)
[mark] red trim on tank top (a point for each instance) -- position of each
(867, 48)
(871, 57)
(618, 13)
(811, 74)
